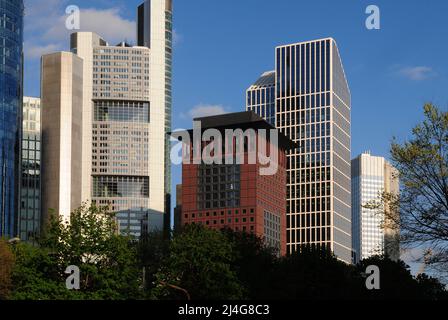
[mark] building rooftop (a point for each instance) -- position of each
(242, 120)
(267, 79)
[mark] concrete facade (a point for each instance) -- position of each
(62, 96)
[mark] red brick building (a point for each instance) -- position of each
(238, 196)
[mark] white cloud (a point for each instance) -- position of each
(36, 51)
(107, 23)
(45, 29)
(417, 73)
(206, 110)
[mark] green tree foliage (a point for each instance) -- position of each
(199, 265)
(397, 282)
(107, 261)
(152, 250)
(6, 268)
(422, 163)
(253, 261)
(313, 273)
(36, 276)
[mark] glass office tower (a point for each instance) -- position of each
(11, 39)
(373, 232)
(260, 97)
(313, 109)
(29, 220)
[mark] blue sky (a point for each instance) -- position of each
(221, 47)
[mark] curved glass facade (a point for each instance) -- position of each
(11, 39)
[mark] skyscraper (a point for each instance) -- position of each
(11, 55)
(62, 96)
(126, 115)
(155, 31)
(29, 220)
(373, 231)
(261, 97)
(313, 109)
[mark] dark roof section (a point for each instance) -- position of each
(243, 120)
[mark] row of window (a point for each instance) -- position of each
(291, 248)
(120, 187)
(222, 224)
(308, 235)
(307, 220)
(261, 96)
(308, 175)
(222, 213)
(303, 68)
(309, 190)
(308, 205)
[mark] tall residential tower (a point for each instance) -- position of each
(312, 102)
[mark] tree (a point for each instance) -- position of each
(315, 273)
(6, 267)
(397, 282)
(199, 266)
(253, 261)
(36, 276)
(107, 261)
(431, 288)
(422, 164)
(153, 249)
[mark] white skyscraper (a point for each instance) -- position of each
(372, 232)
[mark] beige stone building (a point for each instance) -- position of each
(62, 96)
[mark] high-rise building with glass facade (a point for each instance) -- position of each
(374, 233)
(260, 97)
(312, 102)
(126, 115)
(29, 220)
(11, 64)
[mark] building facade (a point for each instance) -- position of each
(29, 220)
(236, 195)
(177, 223)
(260, 97)
(11, 90)
(313, 103)
(155, 31)
(126, 115)
(62, 96)
(373, 232)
